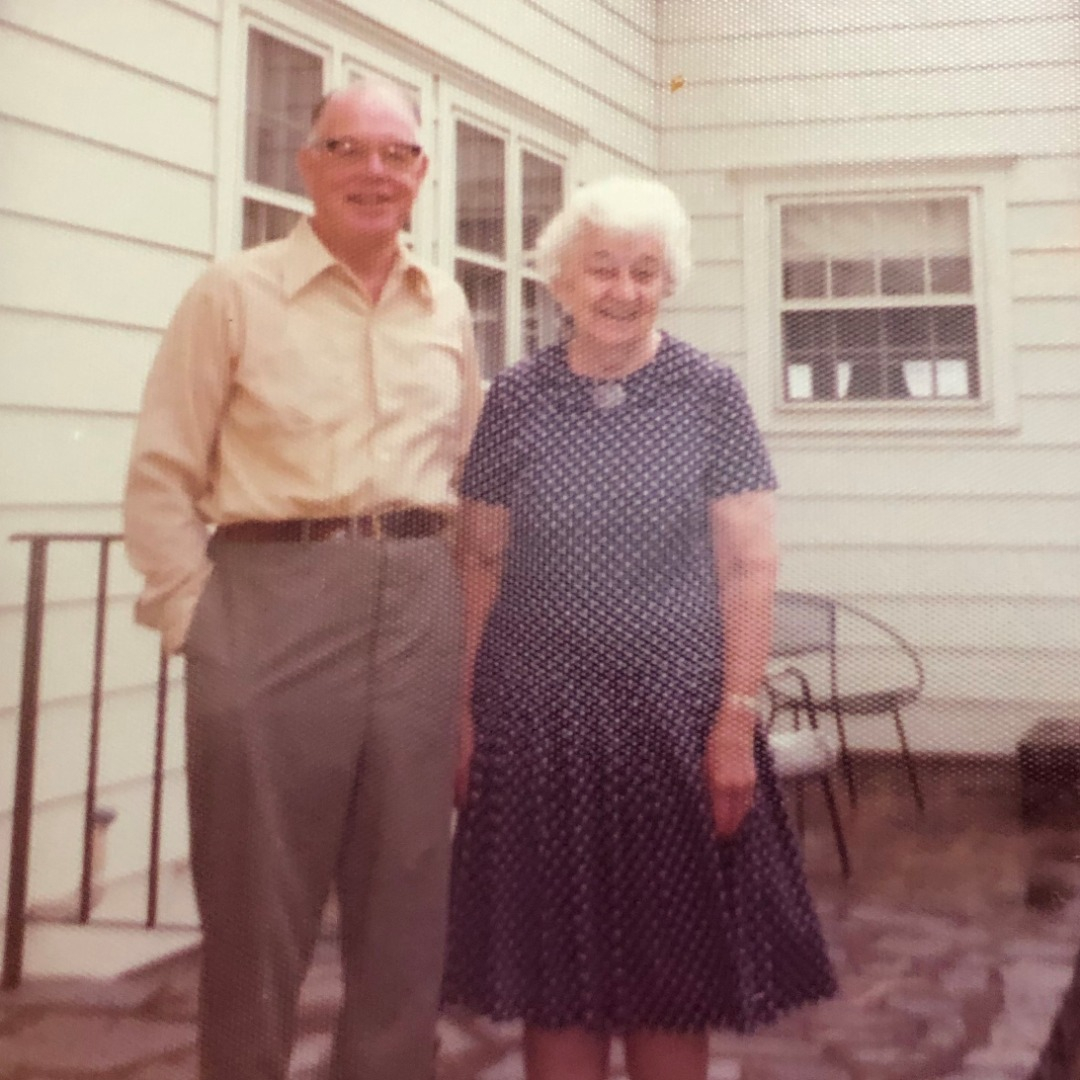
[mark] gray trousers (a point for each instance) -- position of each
(322, 694)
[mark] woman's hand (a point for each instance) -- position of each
(730, 774)
(464, 761)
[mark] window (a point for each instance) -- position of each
(505, 190)
(284, 84)
(876, 302)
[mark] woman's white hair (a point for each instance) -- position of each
(621, 204)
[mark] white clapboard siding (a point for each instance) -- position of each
(1039, 323)
(1048, 623)
(1011, 88)
(973, 724)
(1054, 370)
(117, 192)
(67, 657)
(56, 87)
(642, 13)
(712, 284)
(706, 194)
(585, 37)
(92, 276)
(156, 38)
(526, 74)
(1046, 273)
(977, 521)
(1044, 179)
(1023, 674)
(74, 518)
(692, 19)
(958, 470)
(594, 162)
(888, 139)
(208, 10)
(70, 363)
(55, 860)
(64, 459)
(126, 750)
(1049, 226)
(1050, 421)
(613, 30)
(967, 573)
(524, 30)
(717, 239)
(72, 572)
(718, 330)
(910, 48)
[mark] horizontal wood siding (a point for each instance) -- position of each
(108, 111)
(966, 543)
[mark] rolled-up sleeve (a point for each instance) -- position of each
(174, 453)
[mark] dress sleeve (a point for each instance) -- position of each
(494, 458)
(738, 461)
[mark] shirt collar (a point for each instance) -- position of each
(306, 257)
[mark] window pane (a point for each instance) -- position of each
(907, 328)
(808, 330)
(486, 290)
(851, 277)
(902, 277)
(950, 274)
(265, 222)
(542, 317)
(804, 279)
(541, 196)
(284, 84)
(481, 190)
(858, 329)
(954, 326)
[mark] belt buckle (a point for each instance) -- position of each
(377, 526)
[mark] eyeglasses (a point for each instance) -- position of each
(397, 156)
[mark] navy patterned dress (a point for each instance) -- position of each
(588, 885)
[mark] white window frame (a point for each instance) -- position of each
(984, 184)
(520, 136)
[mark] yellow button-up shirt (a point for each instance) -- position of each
(281, 391)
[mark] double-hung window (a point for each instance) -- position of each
(877, 301)
(506, 185)
(879, 307)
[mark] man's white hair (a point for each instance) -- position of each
(621, 204)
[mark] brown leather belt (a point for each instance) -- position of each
(412, 524)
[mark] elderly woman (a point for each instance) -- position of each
(622, 862)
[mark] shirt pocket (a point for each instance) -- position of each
(299, 387)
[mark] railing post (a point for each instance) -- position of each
(158, 791)
(23, 807)
(86, 882)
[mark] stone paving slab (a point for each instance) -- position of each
(946, 974)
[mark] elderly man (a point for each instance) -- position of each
(311, 400)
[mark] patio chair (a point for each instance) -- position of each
(801, 753)
(852, 665)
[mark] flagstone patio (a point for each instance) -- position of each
(954, 940)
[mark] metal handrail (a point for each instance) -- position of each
(29, 708)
